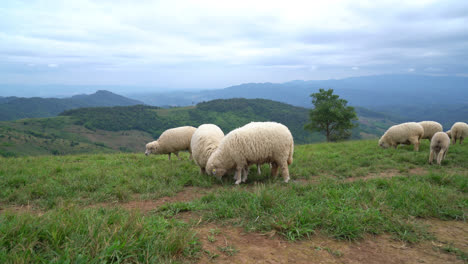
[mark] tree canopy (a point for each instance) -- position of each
(331, 115)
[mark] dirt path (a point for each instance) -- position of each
(227, 244)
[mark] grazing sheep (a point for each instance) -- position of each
(204, 142)
(430, 128)
(254, 143)
(406, 133)
(172, 141)
(459, 131)
(439, 147)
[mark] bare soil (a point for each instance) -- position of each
(227, 244)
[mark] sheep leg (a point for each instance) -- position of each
(274, 170)
(445, 153)
(190, 157)
(431, 156)
(259, 171)
(461, 140)
(169, 156)
(415, 142)
(202, 171)
(238, 175)
(454, 139)
(440, 157)
(245, 173)
(177, 155)
(285, 172)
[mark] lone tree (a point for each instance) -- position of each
(331, 115)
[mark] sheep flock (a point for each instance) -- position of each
(272, 143)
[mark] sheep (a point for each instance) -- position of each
(459, 131)
(204, 142)
(430, 128)
(439, 147)
(172, 141)
(406, 133)
(449, 133)
(254, 143)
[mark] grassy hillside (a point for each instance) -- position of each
(59, 135)
(85, 208)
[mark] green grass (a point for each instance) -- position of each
(62, 228)
(51, 181)
(341, 210)
(77, 235)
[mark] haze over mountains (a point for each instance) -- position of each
(365, 91)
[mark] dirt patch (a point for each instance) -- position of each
(450, 233)
(388, 174)
(227, 244)
(186, 195)
(370, 176)
(20, 209)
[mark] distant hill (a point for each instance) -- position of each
(12, 108)
(365, 91)
(110, 129)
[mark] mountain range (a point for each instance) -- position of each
(12, 108)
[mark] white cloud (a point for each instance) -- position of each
(117, 37)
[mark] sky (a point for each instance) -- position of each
(203, 44)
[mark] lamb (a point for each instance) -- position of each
(439, 147)
(172, 141)
(459, 131)
(405, 133)
(254, 143)
(430, 128)
(204, 142)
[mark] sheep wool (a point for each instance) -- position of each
(439, 147)
(405, 133)
(204, 142)
(254, 143)
(459, 131)
(430, 128)
(172, 141)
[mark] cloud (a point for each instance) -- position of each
(126, 42)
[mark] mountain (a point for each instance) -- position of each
(129, 128)
(12, 108)
(365, 91)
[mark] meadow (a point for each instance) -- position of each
(129, 208)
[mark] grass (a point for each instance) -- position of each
(48, 181)
(75, 235)
(341, 210)
(62, 227)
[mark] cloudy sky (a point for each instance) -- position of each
(214, 44)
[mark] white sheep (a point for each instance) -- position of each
(406, 133)
(254, 143)
(430, 128)
(204, 142)
(172, 141)
(449, 133)
(459, 131)
(439, 147)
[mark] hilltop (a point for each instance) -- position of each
(346, 202)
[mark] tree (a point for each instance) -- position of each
(331, 115)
